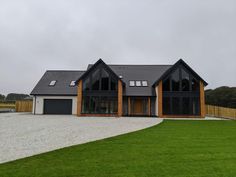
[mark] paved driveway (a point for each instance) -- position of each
(23, 135)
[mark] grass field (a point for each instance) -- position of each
(171, 149)
(7, 105)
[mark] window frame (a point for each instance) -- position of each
(181, 94)
(52, 83)
(74, 83)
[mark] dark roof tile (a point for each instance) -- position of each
(62, 86)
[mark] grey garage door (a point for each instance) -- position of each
(57, 106)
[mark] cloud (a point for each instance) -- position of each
(40, 35)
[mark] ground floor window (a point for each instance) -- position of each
(99, 105)
(174, 105)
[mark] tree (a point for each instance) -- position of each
(221, 96)
(2, 97)
(16, 96)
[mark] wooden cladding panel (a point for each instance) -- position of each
(120, 98)
(160, 114)
(129, 106)
(79, 98)
(149, 106)
(202, 100)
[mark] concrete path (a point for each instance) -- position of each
(23, 135)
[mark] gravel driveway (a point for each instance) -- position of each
(23, 135)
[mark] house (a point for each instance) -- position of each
(122, 90)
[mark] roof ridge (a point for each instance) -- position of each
(137, 64)
(67, 70)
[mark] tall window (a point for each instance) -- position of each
(181, 93)
(100, 93)
(175, 80)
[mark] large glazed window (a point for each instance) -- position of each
(104, 80)
(100, 93)
(175, 81)
(166, 84)
(181, 93)
(96, 80)
(99, 105)
(185, 80)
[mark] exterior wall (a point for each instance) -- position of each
(79, 98)
(125, 106)
(153, 106)
(202, 100)
(156, 101)
(120, 98)
(38, 108)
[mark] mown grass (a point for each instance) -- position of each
(171, 149)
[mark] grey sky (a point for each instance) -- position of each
(69, 34)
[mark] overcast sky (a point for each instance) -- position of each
(68, 34)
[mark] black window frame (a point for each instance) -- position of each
(181, 94)
(110, 94)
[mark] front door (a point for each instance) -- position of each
(138, 107)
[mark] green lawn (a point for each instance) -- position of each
(173, 149)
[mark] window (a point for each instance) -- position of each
(105, 80)
(175, 81)
(72, 83)
(195, 85)
(52, 83)
(95, 80)
(186, 103)
(144, 83)
(100, 90)
(185, 80)
(181, 93)
(166, 85)
(131, 83)
(113, 84)
(99, 105)
(176, 106)
(166, 105)
(86, 85)
(138, 83)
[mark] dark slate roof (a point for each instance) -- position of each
(62, 86)
(139, 72)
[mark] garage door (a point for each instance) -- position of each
(57, 106)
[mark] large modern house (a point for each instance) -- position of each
(122, 90)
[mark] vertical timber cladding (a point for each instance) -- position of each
(120, 98)
(202, 100)
(159, 88)
(129, 106)
(149, 106)
(79, 98)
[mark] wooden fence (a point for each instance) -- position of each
(24, 106)
(222, 112)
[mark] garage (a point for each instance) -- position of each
(57, 106)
